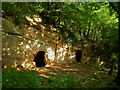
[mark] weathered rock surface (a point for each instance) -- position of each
(19, 46)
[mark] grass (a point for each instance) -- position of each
(31, 79)
(98, 67)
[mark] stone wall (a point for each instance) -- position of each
(19, 46)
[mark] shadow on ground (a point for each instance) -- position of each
(78, 68)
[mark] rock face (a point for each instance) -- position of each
(19, 46)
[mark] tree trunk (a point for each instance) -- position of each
(111, 70)
(89, 25)
(72, 50)
(118, 74)
(117, 9)
(56, 53)
(84, 35)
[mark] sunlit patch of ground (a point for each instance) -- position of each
(78, 68)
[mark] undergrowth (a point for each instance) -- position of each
(31, 79)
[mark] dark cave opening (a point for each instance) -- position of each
(78, 55)
(39, 59)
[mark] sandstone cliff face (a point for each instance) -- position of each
(19, 46)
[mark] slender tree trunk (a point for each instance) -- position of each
(56, 53)
(111, 69)
(94, 36)
(89, 25)
(84, 35)
(72, 50)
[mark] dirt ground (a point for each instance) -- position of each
(78, 68)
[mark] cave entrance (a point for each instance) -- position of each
(39, 59)
(78, 55)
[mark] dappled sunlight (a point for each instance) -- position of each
(37, 18)
(79, 68)
(88, 58)
(8, 49)
(15, 64)
(51, 53)
(27, 63)
(42, 27)
(27, 46)
(5, 66)
(98, 60)
(34, 20)
(71, 57)
(30, 40)
(70, 69)
(101, 63)
(52, 28)
(38, 45)
(60, 54)
(27, 34)
(21, 43)
(18, 52)
(4, 49)
(29, 19)
(23, 51)
(43, 75)
(8, 54)
(70, 42)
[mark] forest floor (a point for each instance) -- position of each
(77, 75)
(79, 69)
